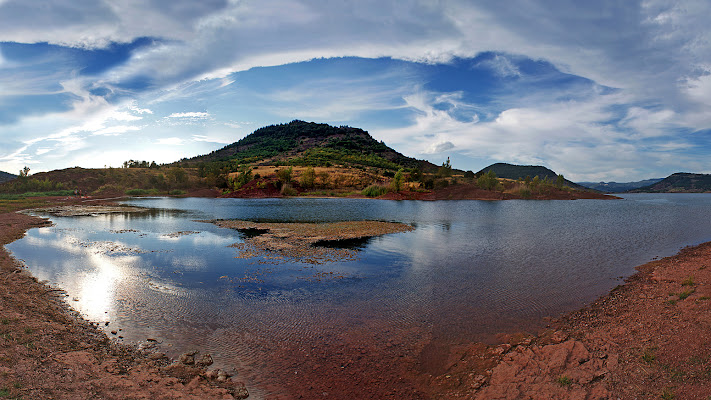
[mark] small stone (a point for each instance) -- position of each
(187, 359)
(156, 356)
(205, 360)
(241, 391)
(113, 332)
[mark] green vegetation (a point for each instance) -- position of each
(24, 184)
(564, 380)
(685, 294)
(396, 184)
(688, 281)
(374, 191)
(680, 183)
(668, 394)
(648, 355)
(308, 178)
(488, 180)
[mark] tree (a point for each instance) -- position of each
(25, 171)
(560, 181)
(284, 175)
(307, 178)
(488, 180)
(396, 183)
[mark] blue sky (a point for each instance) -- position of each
(605, 90)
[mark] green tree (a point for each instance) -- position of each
(284, 174)
(560, 181)
(396, 183)
(307, 178)
(488, 180)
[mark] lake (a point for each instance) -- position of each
(469, 270)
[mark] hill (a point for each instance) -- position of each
(511, 171)
(300, 143)
(619, 187)
(680, 182)
(4, 177)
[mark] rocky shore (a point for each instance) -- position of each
(647, 339)
(47, 351)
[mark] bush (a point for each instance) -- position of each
(284, 174)
(287, 190)
(177, 192)
(396, 183)
(374, 191)
(307, 178)
(488, 181)
(137, 192)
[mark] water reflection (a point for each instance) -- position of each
(469, 270)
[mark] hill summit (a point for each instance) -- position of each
(312, 144)
(511, 171)
(682, 182)
(4, 177)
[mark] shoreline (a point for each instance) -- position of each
(48, 350)
(637, 341)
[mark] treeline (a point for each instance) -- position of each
(23, 184)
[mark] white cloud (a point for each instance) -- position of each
(190, 115)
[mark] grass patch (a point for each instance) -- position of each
(703, 298)
(19, 196)
(5, 321)
(374, 191)
(648, 356)
(564, 380)
(668, 394)
(688, 281)
(28, 330)
(177, 192)
(685, 294)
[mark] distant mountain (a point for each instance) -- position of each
(680, 182)
(311, 144)
(511, 171)
(619, 187)
(4, 177)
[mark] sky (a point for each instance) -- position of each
(595, 90)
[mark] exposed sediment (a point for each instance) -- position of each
(47, 351)
(299, 241)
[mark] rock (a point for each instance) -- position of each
(211, 375)
(187, 359)
(205, 360)
(240, 391)
(156, 356)
(113, 332)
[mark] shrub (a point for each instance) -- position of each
(374, 191)
(488, 181)
(287, 190)
(177, 192)
(396, 183)
(284, 174)
(137, 192)
(307, 178)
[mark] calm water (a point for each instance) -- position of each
(469, 270)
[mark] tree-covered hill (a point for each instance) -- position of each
(4, 177)
(680, 182)
(511, 171)
(619, 187)
(302, 143)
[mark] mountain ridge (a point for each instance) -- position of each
(6, 176)
(680, 182)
